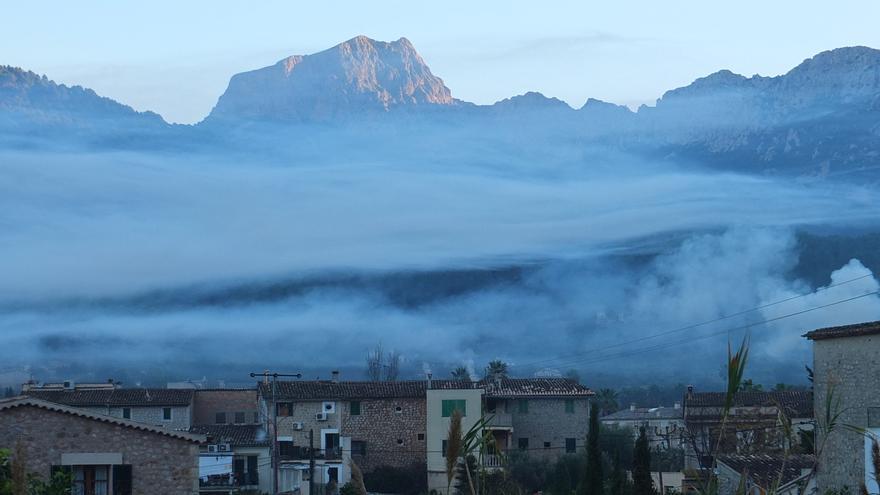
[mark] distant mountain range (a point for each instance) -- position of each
(820, 119)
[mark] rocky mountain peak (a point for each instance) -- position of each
(358, 76)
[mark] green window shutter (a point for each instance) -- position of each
(523, 406)
(355, 408)
(450, 405)
(569, 406)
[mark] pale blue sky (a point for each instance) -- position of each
(176, 57)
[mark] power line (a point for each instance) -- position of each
(695, 325)
(703, 337)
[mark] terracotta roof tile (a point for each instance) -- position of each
(240, 435)
(856, 330)
(797, 403)
(116, 397)
(764, 469)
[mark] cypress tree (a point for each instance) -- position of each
(642, 482)
(591, 484)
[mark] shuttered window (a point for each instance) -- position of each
(451, 405)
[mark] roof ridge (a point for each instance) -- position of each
(74, 411)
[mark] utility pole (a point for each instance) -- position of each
(274, 451)
(311, 462)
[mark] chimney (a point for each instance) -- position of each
(429, 375)
(334, 376)
(690, 392)
(632, 407)
(265, 377)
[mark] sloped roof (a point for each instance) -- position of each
(856, 330)
(323, 390)
(237, 435)
(534, 388)
(15, 402)
(796, 403)
(764, 469)
(645, 414)
(506, 387)
(116, 397)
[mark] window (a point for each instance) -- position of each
(569, 406)
(91, 479)
(220, 418)
(358, 447)
(166, 414)
(399, 410)
(443, 449)
(452, 405)
(239, 418)
(421, 437)
(570, 445)
(126, 413)
(400, 442)
(252, 476)
(122, 479)
(522, 443)
(256, 417)
(285, 448)
(284, 409)
(355, 408)
(546, 445)
(522, 406)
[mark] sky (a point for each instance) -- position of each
(176, 58)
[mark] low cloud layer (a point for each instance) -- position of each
(99, 252)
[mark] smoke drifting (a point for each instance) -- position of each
(216, 264)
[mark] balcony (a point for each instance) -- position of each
(500, 420)
(229, 480)
(304, 453)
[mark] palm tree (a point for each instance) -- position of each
(496, 369)
(461, 374)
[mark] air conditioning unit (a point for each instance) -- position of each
(212, 449)
(321, 416)
(224, 447)
(69, 385)
(298, 426)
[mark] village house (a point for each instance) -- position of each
(763, 474)
(333, 422)
(664, 426)
(104, 454)
(545, 417)
(442, 399)
(237, 454)
(755, 423)
(166, 408)
(846, 377)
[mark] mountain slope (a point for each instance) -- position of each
(358, 76)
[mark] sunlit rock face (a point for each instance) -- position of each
(358, 76)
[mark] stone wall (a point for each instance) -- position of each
(851, 366)
(181, 416)
(547, 421)
(160, 464)
(207, 403)
(393, 429)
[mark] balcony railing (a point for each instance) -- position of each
(304, 453)
(492, 461)
(230, 480)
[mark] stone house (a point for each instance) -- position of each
(104, 454)
(846, 370)
(237, 454)
(165, 408)
(754, 424)
(545, 417)
(373, 423)
(664, 426)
